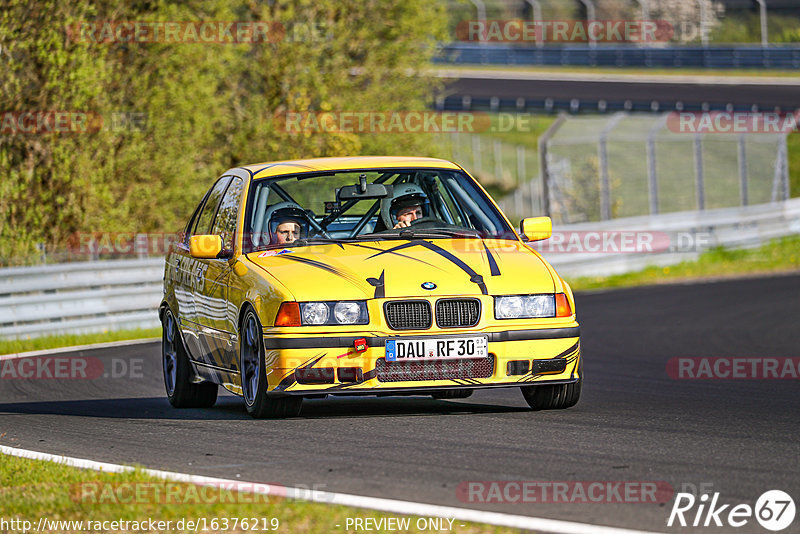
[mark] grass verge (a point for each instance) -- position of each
(32, 489)
(780, 255)
(11, 346)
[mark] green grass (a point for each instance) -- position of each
(780, 255)
(11, 346)
(31, 489)
(793, 146)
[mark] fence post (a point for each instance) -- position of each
(537, 16)
(703, 23)
(652, 176)
(780, 180)
(785, 148)
(590, 16)
(498, 162)
(762, 15)
(645, 5)
(543, 170)
(698, 172)
(476, 153)
(742, 153)
(605, 182)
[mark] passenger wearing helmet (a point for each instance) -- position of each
(287, 222)
(408, 203)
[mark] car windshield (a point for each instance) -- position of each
(371, 205)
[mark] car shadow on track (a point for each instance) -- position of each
(229, 407)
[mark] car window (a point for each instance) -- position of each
(203, 225)
(228, 214)
(452, 204)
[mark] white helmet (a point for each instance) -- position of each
(404, 195)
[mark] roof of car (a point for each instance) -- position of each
(278, 168)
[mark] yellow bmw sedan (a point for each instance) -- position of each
(362, 276)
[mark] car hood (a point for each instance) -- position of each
(397, 269)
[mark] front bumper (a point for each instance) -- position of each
(330, 365)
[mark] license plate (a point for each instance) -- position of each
(431, 348)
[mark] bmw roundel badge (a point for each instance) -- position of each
(429, 286)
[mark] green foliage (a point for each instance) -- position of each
(208, 106)
(746, 28)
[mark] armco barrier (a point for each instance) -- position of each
(111, 295)
(74, 298)
(740, 227)
(712, 57)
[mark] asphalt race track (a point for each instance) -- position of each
(633, 423)
(691, 95)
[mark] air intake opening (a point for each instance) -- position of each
(408, 314)
(314, 375)
(455, 313)
(517, 367)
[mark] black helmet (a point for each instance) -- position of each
(404, 195)
(285, 212)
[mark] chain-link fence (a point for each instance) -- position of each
(623, 165)
(501, 167)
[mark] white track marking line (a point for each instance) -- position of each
(555, 526)
(77, 348)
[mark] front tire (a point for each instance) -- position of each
(254, 378)
(181, 391)
(553, 397)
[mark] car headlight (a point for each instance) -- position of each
(314, 312)
(346, 312)
(524, 306)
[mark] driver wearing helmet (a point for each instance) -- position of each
(287, 222)
(408, 204)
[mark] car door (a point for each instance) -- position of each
(218, 320)
(194, 273)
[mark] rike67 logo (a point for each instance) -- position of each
(774, 510)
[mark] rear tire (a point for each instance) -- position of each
(446, 394)
(254, 378)
(181, 391)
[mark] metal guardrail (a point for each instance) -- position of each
(74, 298)
(740, 227)
(712, 57)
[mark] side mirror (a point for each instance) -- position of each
(205, 246)
(536, 228)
